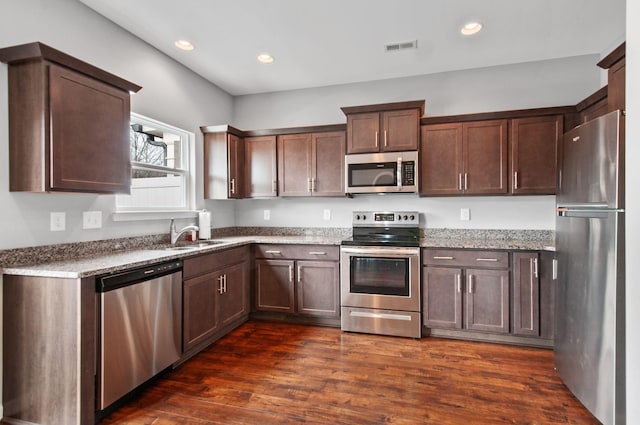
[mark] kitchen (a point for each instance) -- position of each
(26, 216)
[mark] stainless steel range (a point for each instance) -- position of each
(380, 274)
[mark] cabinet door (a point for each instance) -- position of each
(274, 285)
(223, 166)
(327, 160)
(547, 293)
(526, 294)
(484, 150)
(260, 167)
(616, 94)
(294, 165)
(363, 132)
(199, 309)
(318, 288)
(400, 130)
(233, 295)
(442, 297)
(534, 154)
(235, 150)
(89, 134)
(441, 159)
(487, 300)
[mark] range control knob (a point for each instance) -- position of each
(399, 217)
(364, 217)
(405, 217)
(357, 216)
(412, 217)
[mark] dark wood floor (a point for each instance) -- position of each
(271, 373)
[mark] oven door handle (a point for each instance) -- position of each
(396, 252)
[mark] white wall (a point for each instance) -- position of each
(171, 93)
(633, 211)
(531, 85)
(498, 212)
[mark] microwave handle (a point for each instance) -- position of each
(399, 173)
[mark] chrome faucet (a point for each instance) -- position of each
(175, 234)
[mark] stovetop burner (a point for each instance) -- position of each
(389, 228)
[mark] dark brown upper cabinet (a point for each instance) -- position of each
(535, 148)
(614, 62)
(389, 127)
(223, 162)
(68, 123)
(261, 178)
(311, 164)
(464, 158)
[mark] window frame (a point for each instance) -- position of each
(187, 171)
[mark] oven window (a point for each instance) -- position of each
(378, 275)
(369, 175)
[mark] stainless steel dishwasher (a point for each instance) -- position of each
(139, 322)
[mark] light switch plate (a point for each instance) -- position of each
(465, 214)
(57, 221)
(267, 214)
(326, 215)
(92, 219)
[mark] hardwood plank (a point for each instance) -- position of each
(275, 373)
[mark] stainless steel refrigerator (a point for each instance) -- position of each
(590, 332)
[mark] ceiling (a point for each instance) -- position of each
(328, 42)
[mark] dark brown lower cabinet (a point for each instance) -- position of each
(291, 280)
(483, 295)
(494, 292)
(526, 294)
(215, 295)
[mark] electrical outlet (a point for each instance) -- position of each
(267, 214)
(326, 215)
(57, 221)
(92, 219)
(465, 214)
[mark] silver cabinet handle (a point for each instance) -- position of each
(274, 186)
(459, 282)
(460, 181)
(317, 253)
(313, 185)
(443, 258)
(232, 186)
(575, 139)
(273, 252)
(299, 274)
(308, 185)
(225, 283)
(535, 267)
(376, 139)
(465, 182)
(290, 273)
(471, 284)
(490, 260)
(385, 138)
(220, 287)
(515, 180)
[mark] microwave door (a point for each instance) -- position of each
(371, 175)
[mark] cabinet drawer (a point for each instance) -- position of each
(297, 251)
(465, 258)
(207, 263)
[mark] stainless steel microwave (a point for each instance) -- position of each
(389, 172)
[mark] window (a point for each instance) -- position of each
(161, 177)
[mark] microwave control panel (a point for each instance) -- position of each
(408, 173)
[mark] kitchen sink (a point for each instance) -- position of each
(185, 246)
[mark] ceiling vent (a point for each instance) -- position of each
(395, 47)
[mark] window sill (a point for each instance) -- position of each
(151, 215)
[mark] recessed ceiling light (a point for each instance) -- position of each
(471, 28)
(265, 58)
(184, 45)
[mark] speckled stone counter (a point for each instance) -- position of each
(84, 259)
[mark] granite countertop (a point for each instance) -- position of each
(80, 260)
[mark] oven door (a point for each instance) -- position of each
(380, 277)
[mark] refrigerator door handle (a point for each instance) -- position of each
(594, 213)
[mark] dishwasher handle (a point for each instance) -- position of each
(116, 280)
